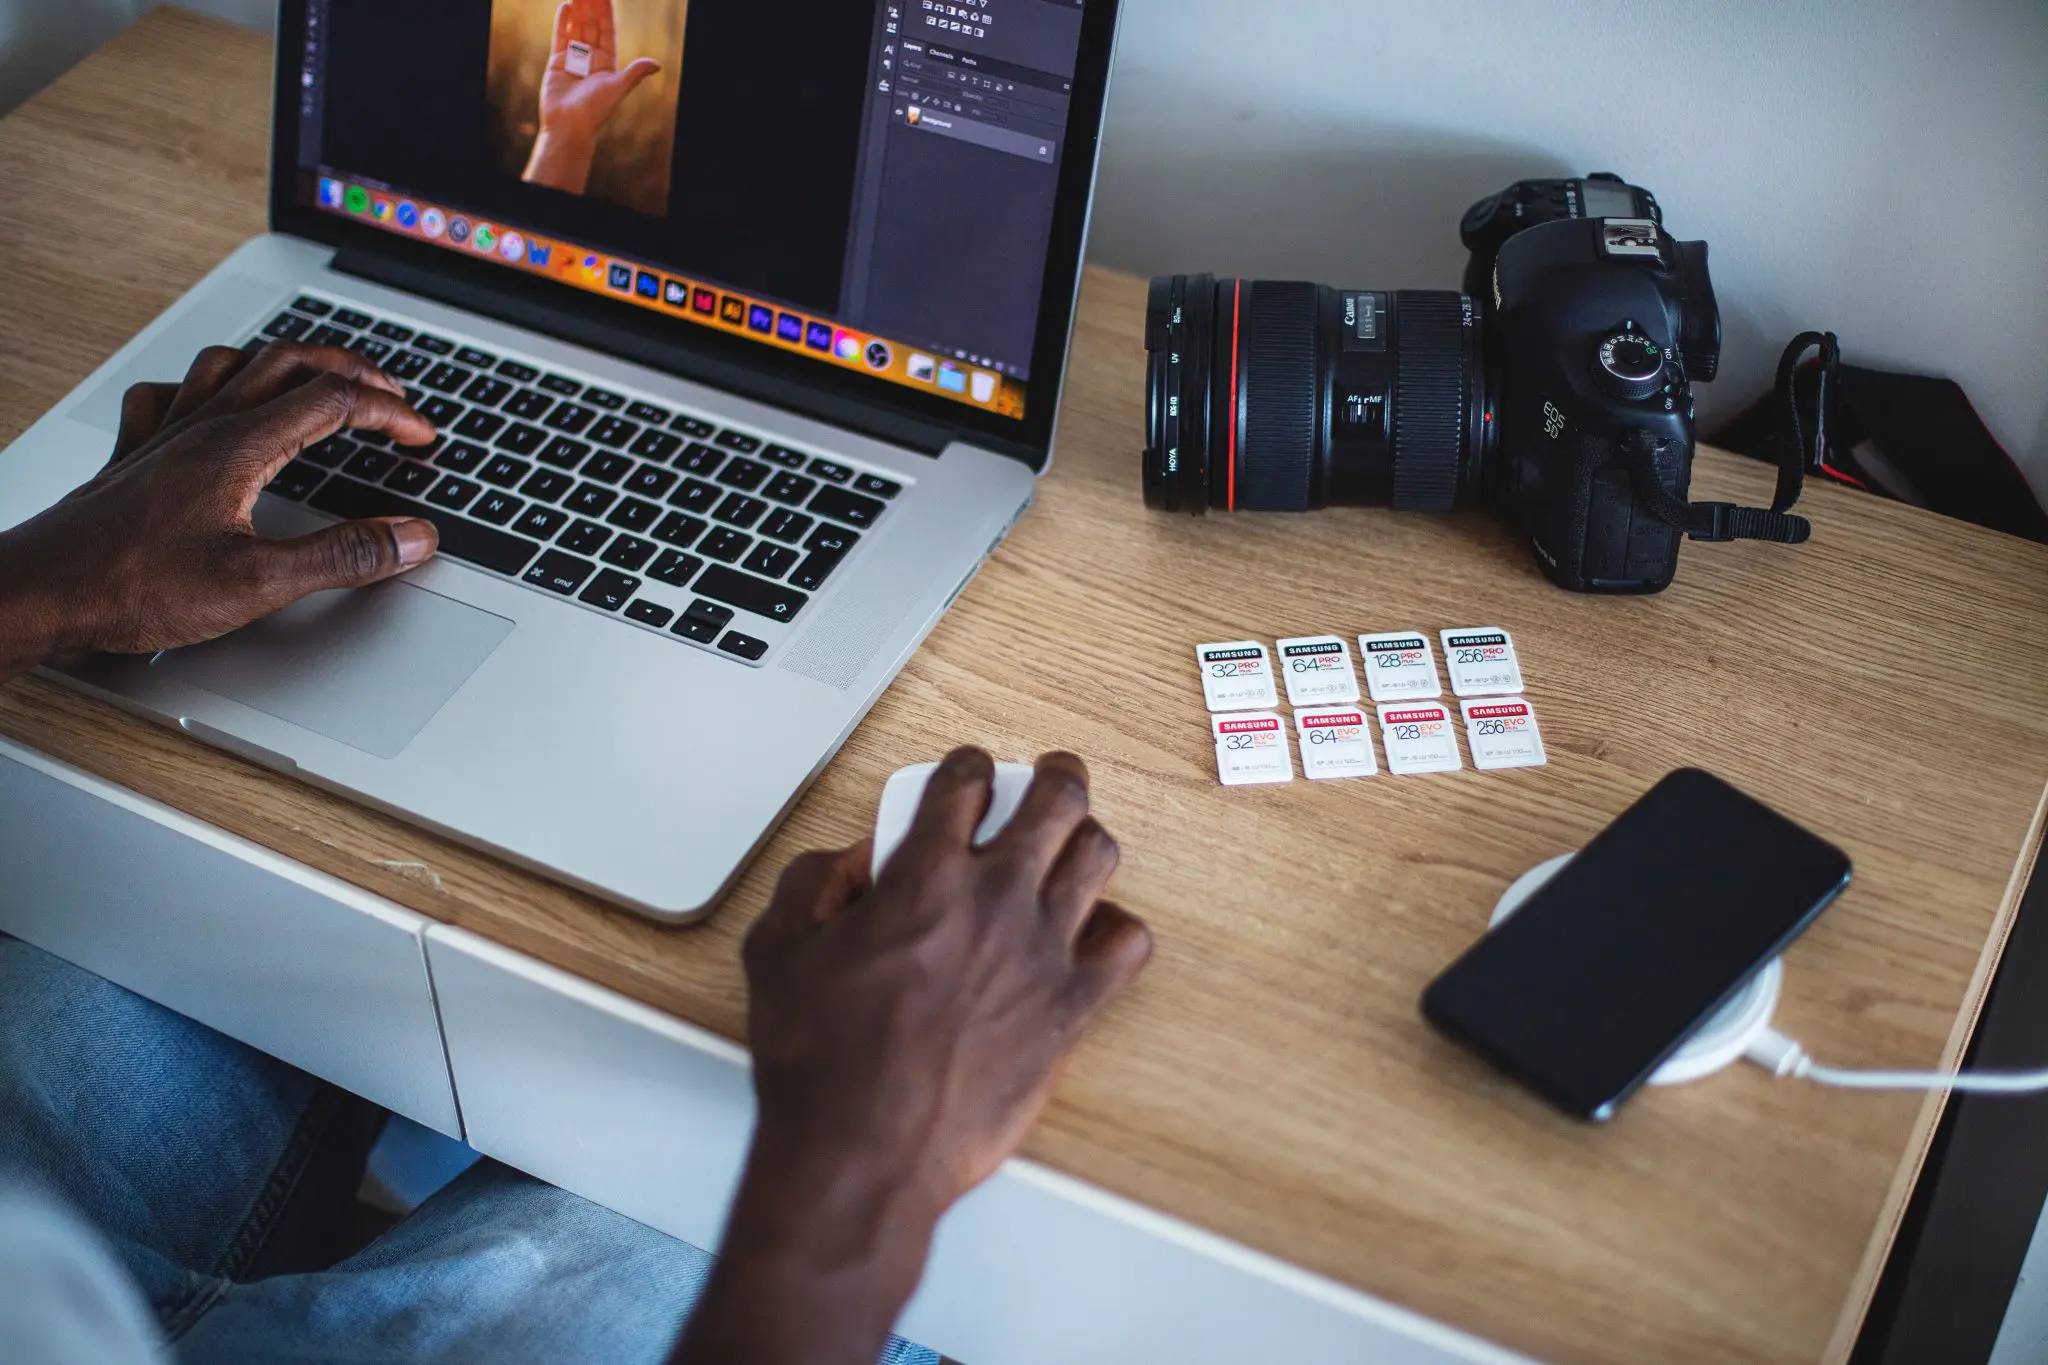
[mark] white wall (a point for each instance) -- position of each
(1875, 167)
(1878, 167)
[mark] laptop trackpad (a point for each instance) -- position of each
(367, 668)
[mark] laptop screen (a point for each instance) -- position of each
(869, 184)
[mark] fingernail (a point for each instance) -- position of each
(417, 541)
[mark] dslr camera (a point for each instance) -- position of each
(1557, 388)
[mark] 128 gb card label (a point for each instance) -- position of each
(1318, 671)
(1250, 749)
(1421, 737)
(1502, 732)
(1335, 743)
(1398, 666)
(1237, 676)
(1482, 662)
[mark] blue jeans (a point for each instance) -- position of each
(181, 1147)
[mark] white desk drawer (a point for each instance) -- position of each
(286, 959)
(650, 1116)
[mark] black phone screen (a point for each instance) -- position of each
(1662, 918)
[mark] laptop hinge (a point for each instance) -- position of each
(468, 285)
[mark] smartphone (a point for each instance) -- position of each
(1649, 930)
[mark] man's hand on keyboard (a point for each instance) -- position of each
(905, 1034)
(157, 550)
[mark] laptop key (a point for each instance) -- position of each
(634, 514)
(328, 336)
(694, 426)
(318, 308)
(391, 331)
(745, 474)
(647, 412)
(469, 541)
(447, 378)
(786, 525)
(591, 500)
(677, 529)
(851, 508)
(496, 508)
(564, 453)
(572, 418)
(486, 391)
(831, 472)
(651, 481)
(659, 446)
(740, 510)
(700, 459)
(629, 553)
(518, 373)
(412, 478)
(548, 485)
(676, 568)
(479, 426)
(748, 593)
(784, 456)
(540, 522)
(407, 366)
(696, 496)
(505, 472)
(693, 628)
(771, 561)
(470, 355)
(832, 540)
(351, 319)
(454, 493)
(816, 568)
(607, 467)
(610, 590)
(726, 545)
(521, 439)
(330, 453)
(371, 348)
(439, 410)
(613, 431)
(791, 488)
(461, 457)
(560, 573)
(370, 438)
(529, 406)
(370, 464)
(584, 538)
(700, 610)
(876, 486)
(288, 327)
(297, 479)
(605, 399)
(433, 345)
(743, 646)
(650, 613)
(555, 383)
(740, 441)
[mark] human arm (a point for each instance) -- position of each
(906, 1035)
(157, 550)
(575, 106)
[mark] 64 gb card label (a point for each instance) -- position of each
(1335, 743)
(1421, 737)
(1482, 662)
(1502, 732)
(1398, 666)
(1237, 677)
(1318, 671)
(1251, 749)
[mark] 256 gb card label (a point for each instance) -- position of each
(1237, 676)
(1398, 666)
(1502, 732)
(1251, 749)
(1318, 671)
(1335, 743)
(1482, 662)
(1420, 737)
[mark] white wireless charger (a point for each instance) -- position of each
(1718, 1042)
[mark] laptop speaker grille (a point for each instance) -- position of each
(839, 648)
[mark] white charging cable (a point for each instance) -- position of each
(1783, 1056)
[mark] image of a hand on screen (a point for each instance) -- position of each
(580, 92)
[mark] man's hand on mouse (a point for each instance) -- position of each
(906, 1034)
(157, 550)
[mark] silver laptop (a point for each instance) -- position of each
(742, 367)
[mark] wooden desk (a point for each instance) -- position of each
(1270, 1079)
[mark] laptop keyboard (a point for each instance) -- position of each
(707, 534)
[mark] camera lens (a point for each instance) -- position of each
(1267, 395)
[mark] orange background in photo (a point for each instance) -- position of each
(637, 148)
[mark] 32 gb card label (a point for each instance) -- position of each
(1251, 749)
(1421, 737)
(1398, 666)
(1237, 676)
(1318, 671)
(1335, 743)
(1502, 732)
(1482, 662)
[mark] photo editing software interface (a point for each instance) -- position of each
(868, 184)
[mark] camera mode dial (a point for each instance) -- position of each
(1628, 365)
